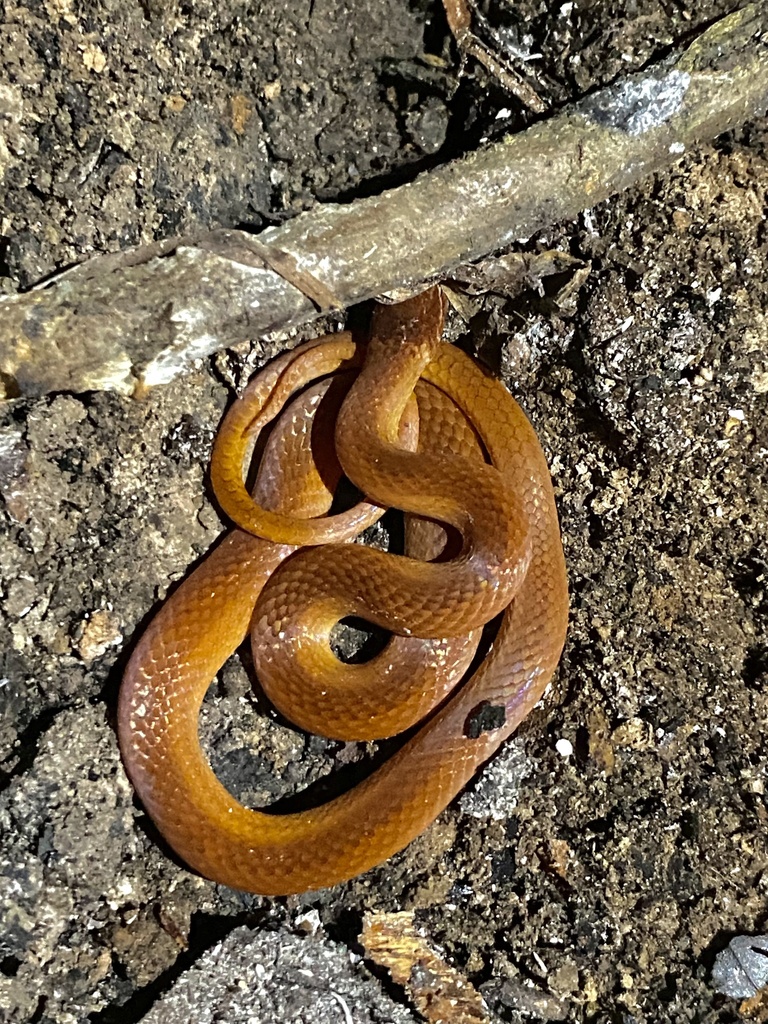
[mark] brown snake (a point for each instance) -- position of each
(289, 574)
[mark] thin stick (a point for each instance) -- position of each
(460, 23)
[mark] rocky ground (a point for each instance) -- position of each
(592, 885)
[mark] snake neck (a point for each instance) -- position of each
(404, 339)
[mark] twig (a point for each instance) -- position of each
(460, 23)
(142, 316)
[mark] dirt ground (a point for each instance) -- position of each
(595, 886)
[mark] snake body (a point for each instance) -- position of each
(290, 574)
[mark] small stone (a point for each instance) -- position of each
(741, 970)
(96, 634)
(175, 103)
(308, 923)
(94, 59)
(20, 597)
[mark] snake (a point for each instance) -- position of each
(417, 425)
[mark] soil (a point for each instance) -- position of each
(612, 851)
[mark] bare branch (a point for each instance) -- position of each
(140, 317)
